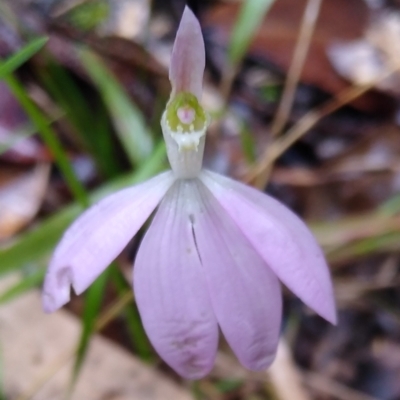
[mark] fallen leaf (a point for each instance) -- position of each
(20, 199)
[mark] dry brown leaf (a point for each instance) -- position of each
(35, 345)
(20, 199)
(339, 20)
(364, 60)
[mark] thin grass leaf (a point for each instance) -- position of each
(50, 138)
(128, 120)
(26, 283)
(88, 15)
(132, 318)
(24, 54)
(23, 133)
(250, 17)
(389, 242)
(391, 206)
(34, 245)
(228, 385)
(248, 144)
(90, 122)
(93, 299)
(42, 241)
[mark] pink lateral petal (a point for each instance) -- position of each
(188, 57)
(171, 291)
(282, 240)
(245, 294)
(92, 242)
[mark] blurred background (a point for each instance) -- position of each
(304, 98)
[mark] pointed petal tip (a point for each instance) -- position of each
(331, 315)
(188, 15)
(282, 239)
(188, 56)
(324, 305)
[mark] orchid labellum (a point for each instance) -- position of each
(214, 253)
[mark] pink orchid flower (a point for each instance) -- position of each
(214, 253)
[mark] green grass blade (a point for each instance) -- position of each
(128, 120)
(93, 298)
(90, 122)
(132, 318)
(391, 206)
(49, 137)
(248, 144)
(34, 245)
(39, 243)
(16, 60)
(250, 17)
(26, 283)
(88, 15)
(22, 133)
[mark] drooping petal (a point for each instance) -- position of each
(171, 291)
(97, 237)
(245, 293)
(188, 57)
(281, 238)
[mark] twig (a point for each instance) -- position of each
(310, 17)
(65, 357)
(333, 388)
(310, 119)
(285, 377)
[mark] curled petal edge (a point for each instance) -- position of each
(92, 242)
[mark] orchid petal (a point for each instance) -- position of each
(245, 294)
(282, 240)
(171, 291)
(188, 57)
(97, 237)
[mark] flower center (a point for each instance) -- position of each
(186, 115)
(186, 121)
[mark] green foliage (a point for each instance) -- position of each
(90, 120)
(38, 243)
(131, 315)
(250, 18)
(248, 144)
(88, 15)
(391, 206)
(93, 299)
(27, 282)
(128, 120)
(49, 137)
(20, 57)
(228, 385)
